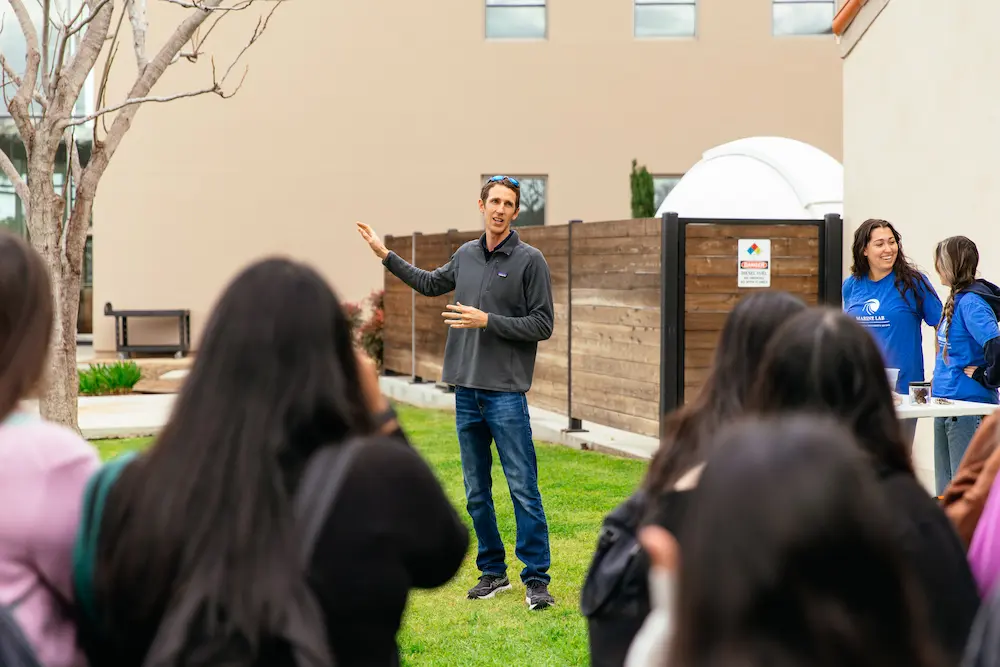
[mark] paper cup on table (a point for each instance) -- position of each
(893, 375)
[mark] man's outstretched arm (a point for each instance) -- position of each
(429, 283)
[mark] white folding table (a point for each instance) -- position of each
(950, 409)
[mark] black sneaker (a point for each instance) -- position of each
(538, 596)
(488, 586)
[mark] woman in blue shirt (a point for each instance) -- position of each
(888, 296)
(966, 368)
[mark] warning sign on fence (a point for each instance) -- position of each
(754, 263)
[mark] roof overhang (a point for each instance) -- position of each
(853, 20)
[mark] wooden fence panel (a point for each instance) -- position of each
(549, 387)
(616, 324)
(434, 250)
(397, 332)
(710, 284)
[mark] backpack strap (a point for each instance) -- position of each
(304, 625)
(95, 494)
(318, 489)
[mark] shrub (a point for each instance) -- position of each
(103, 379)
(368, 332)
(643, 193)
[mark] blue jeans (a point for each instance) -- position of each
(951, 438)
(483, 417)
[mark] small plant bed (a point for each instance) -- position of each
(109, 379)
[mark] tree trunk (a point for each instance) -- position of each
(59, 397)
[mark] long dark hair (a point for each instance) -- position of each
(957, 260)
(824, 361)
(26, 317)
(908, 277)
(789, 559)
(276, 377)
(734, 367)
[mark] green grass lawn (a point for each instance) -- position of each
(441, 627)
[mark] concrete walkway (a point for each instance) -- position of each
(143, 415)
(130, 416)
(545, 425)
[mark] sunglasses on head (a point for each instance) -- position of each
(505, 178)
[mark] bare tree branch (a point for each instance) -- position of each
(73, 75)
(137, 17)
(102, 88)
(215, 88)
(208, 6)
(73, 173)
(16, 80)
(102, 154)
(20, 106)
(46, 7)
(20, 187)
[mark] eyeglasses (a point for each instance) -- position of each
(505, 178)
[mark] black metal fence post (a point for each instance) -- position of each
(671, 320)
(573, 425)
(832, 260)
(413, 313)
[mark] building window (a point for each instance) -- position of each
(665, 18)
(88, 261)
(15, 49)
(662, 186)
(803, 17)
(515, 19)
(532, 210)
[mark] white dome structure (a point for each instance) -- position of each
(760, 178)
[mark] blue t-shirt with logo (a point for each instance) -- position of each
(894, 321)
(972, 326)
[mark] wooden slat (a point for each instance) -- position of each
(641, 317)
(737, 231)
(616, 228)
(619, 334)
(613, 419)
(727, 284)
(728, 246)
(641, 298)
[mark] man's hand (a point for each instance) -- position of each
(465, 317)
(970, 370)
(373, 241)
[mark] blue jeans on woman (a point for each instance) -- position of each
(483, 417)
(952, 436)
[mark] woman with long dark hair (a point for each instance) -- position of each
(208, 509)
(43, 467)
(615, 596)
(823, 361)
(890, 297)
(967, 367)
(789, 560)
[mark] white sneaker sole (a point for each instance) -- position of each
(537, 605)
(493, 592)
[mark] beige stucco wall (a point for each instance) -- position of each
(921, 133)
(390, 111)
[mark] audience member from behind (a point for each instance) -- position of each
(789, 560)
(890, 297)
(615, 595)
(206, 515)
(43, 467)
(967, 367)
(823, 361)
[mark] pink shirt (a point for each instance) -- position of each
(43, 470)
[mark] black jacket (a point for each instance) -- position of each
(988, 375)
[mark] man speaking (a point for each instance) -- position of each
(503, 307)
